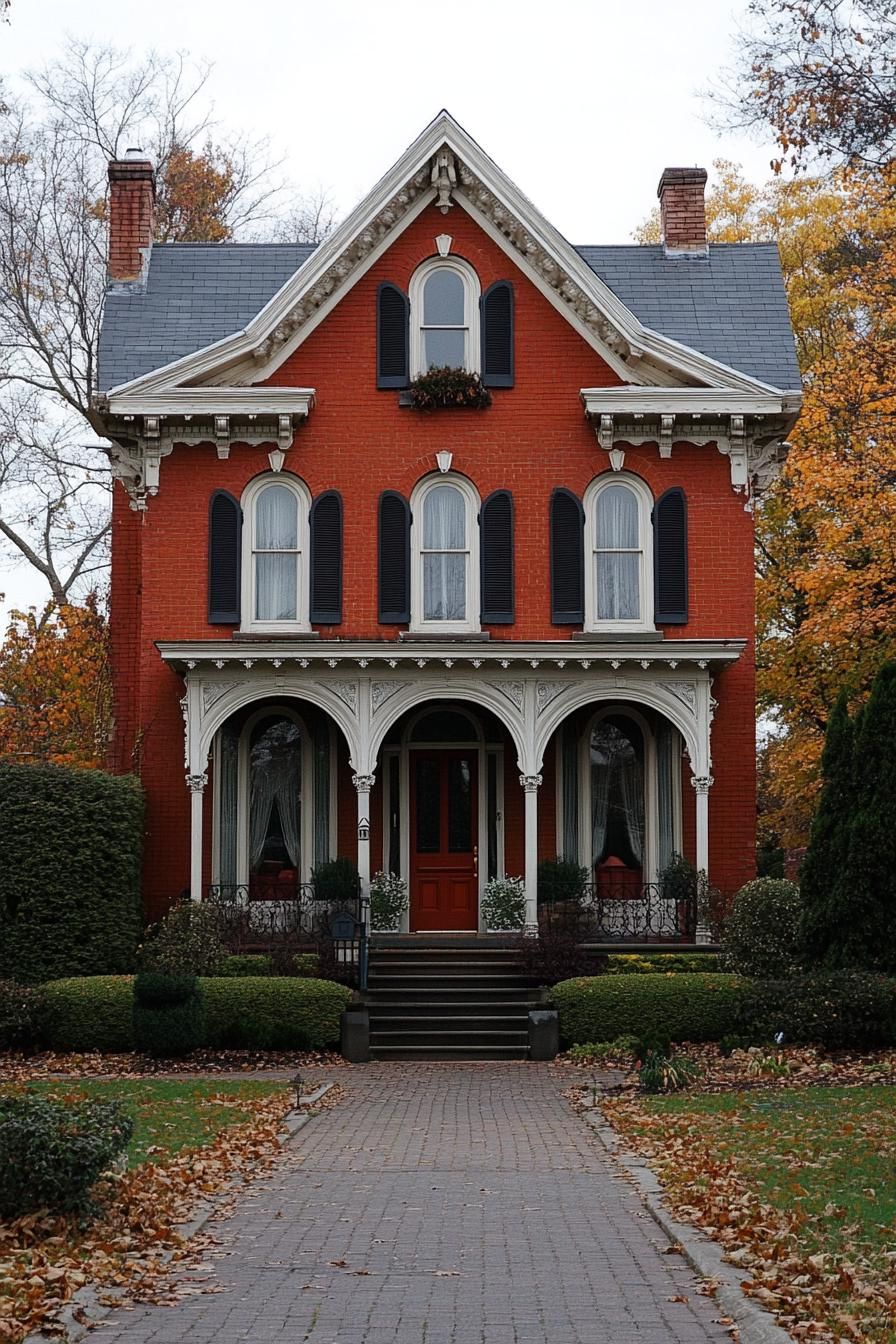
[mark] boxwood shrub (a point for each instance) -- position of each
(20, 1015)
(168, 1014)
(685, 1007)
(836, 1009)
(70, 849)
(247, 963)
(51, 1152)
(652, 963)
(272, 1012)
(92, 1012)
(250, 1012)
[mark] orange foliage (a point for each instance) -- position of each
(55, 693)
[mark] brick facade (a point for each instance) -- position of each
(360, 441)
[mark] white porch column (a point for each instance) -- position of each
(196, 784)
(702, 785)
(364, 784)
(530, 783)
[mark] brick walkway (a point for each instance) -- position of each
(441, 1204)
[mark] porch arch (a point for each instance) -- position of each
(422, 692)
(273, 688)
(622, 692)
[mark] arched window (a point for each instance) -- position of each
(618, 554)
(275, 553)
(444, 296)
(444, 537)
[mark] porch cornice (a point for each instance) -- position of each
(186, 655)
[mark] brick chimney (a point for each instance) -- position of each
(683, 212)
(132, 204)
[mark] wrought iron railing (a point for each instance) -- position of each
(282, 917)
(630, 912)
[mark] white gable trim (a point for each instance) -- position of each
(635, 353)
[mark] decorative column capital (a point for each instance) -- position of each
(364, 783)
(530, 783)
(197, 783)
(702, 783)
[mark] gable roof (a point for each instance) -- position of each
(730, 306)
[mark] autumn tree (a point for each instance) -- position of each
(55, 694)
(56, 138)
(822, 75)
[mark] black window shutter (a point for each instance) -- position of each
(670, 558)
(326, 559)
(497, 334)
(567, 559)
(392, 337)
(496, 558)
(394, 564)
(225, 525)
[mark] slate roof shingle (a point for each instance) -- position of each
(731, 307)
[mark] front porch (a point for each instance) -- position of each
(451, 769)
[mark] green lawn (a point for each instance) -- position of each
(810, 1150)
(169, 1114)
(822, 1159)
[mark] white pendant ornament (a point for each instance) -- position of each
(443, 243)
(617, 458)
(276, 457)
(443, 460)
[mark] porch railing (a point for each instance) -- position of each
(641, 912)
(282, 917)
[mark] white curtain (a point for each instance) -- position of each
(601, 778)
(276, 560)
(275, 773)
(666, 760)
(569, 747)
(617, 558)
(630, 779)
(444, 558)
(228, 786)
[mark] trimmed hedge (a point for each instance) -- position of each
(51, 1152)
(20, 1012)
(653, 963)
(93, 1012)
(273, 1012)
(684, 1007)
(168, 1014)
(70, 848)
(252, 1012)
(836, 1009)
(247, 963)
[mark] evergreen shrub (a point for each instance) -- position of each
(560, 880)
(21, 1007)
(247, 963)
(836, 1009)
(52, 1152)
(70, 846)
(684, 1007)
(654, 963)
(92, 1012)
(273, 1012)
(168, 1014)
(762, 933)
(186, 941)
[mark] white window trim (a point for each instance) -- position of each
(471, 624)
(247, 503)
(472, 352)
(645, 533)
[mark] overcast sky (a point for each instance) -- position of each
(582, 104)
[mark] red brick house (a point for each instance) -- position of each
(446, 643)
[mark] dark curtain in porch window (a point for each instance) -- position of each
(617, 792)
(275, 776)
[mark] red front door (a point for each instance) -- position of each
(444, 829)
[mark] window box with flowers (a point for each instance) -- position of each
(447, 389)
(388, 902)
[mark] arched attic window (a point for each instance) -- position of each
(444, 295)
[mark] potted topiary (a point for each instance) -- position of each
(388, 902)
(335, 881)
(504, 905)
(448, 389)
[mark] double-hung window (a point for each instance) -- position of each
(444, 298)
(445, 591)
(618, 554)
(275, 554)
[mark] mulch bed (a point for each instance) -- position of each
(18, 1068)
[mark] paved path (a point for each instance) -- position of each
(441, 1204)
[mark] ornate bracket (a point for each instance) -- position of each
(364, 783)
(197, 783)
(702, 783)
(530, 783)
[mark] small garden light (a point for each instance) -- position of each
(298, 1083)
